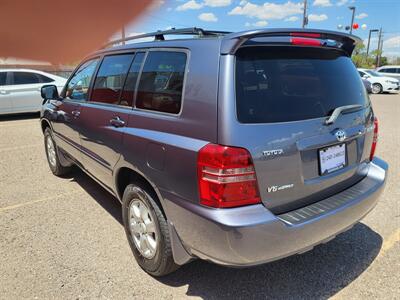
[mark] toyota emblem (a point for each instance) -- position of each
(340, 135)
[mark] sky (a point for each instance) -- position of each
(239, 15)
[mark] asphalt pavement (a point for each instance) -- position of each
(63, 238)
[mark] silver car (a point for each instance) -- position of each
(20, 89)
(236, 148)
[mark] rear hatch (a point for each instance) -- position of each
(283, 96)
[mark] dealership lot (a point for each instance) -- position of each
(63, 238)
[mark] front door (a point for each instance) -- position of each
(106, 113)
(67, 113)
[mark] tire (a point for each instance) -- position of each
(158, 262)
(377, 88)
(52, 155)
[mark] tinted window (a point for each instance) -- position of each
(388, 70)
(25, 78)
(78, 85)
(3, 77)
(161, 82)
(44, 79)
(281, 84)
(130, 83)
(110, 78)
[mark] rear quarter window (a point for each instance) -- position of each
(283, 84)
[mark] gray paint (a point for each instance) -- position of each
(163, 149)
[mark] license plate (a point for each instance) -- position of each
(332, 158)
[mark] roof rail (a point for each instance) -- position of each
(159, 35)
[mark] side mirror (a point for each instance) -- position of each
(49, 92)
(366, 76)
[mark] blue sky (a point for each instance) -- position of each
(238, 15)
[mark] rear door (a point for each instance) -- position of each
(283, 95)
(105, 115)
(25, 91)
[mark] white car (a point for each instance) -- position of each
(20, 89)
(380, 83)
(391, 71)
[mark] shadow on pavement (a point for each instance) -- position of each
(317, 274)
(18, 117)
(102, 196)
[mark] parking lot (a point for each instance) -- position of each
(63, 238)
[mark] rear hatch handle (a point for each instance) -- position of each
(338, 110)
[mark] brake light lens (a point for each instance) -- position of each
(374, 140)
(226, 177)
(305, 41)
(306, 34)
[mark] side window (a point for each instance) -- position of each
(161, 82)
(398, 70)
(130, 83)
(44, 79)
(361, 73)
(3, 77)
(78, 85)
(25, 78)
(389, 70)
(110, 78)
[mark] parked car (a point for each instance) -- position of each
(20, 89)
(367, 85)
(390, 71)
(228, 148)
(380, 83)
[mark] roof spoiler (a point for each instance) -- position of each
(232, 42)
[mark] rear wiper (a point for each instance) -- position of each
(335, 114)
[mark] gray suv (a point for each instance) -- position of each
(236, 148)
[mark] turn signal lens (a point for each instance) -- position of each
(226, 177)
(374, 140)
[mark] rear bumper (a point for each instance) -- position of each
(252, 235)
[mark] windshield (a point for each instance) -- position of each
(282, 84)
(373, 73)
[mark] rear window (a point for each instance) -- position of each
(283, 84)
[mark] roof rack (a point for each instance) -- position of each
(159, 35)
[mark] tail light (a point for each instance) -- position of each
(305, 41)
(306, 34)
(226, 177)
(374, 140)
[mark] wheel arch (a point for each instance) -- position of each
(44, 123)
(126, 175)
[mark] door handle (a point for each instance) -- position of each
(117, 122)
(75, 113)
